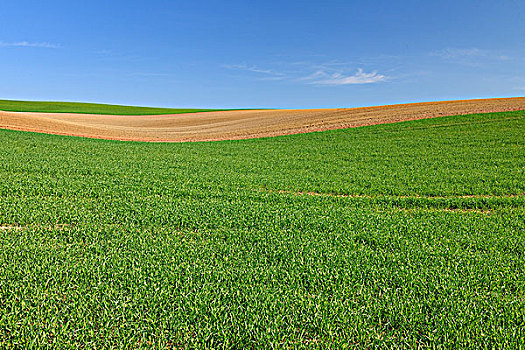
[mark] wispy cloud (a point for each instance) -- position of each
(360, 77)
(149, 75)
(45, 45)
(273, 78)
(327, 73)
(464, 54)
(253, 69)
(451, 53)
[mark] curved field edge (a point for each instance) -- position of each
(229, 125)
(92, 108)
(417, 240)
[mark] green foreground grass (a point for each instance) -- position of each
(417, 240)
(90, 108)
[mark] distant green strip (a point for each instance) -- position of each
(91, 108)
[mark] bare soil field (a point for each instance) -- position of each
(231, 125)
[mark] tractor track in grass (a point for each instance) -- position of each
(369, 196)
(241, 124)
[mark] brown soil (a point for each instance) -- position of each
(230, 125)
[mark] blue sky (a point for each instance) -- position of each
(282, 54)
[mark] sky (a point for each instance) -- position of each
(270, 54)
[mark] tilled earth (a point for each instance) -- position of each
(231, 125)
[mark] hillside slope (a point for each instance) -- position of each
(240, 124)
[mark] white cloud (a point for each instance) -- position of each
(451, 53)
(360, 77)
(324, 74)
(273, 78)
(149, 74)
(45, 45)
(469, 54)
(254, 69)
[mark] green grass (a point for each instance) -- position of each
(90, 108)
(417, 240)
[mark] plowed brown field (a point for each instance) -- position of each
(229, 125)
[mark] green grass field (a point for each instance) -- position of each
(90, 108)
(412, 236)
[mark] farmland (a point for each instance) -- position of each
(229, 125)
(89, 108)
(405, 235)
